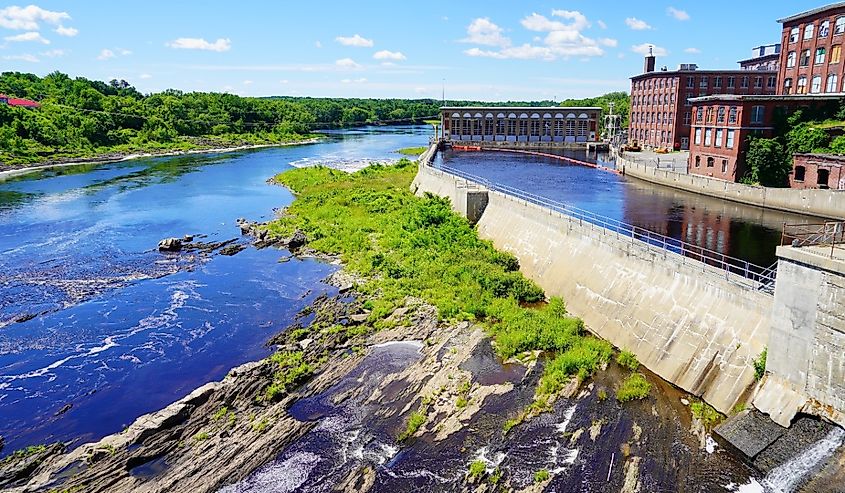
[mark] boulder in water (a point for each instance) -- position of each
(298, 240)
(170, 245)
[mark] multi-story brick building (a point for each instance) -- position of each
(811, 58)
(766, 57)
(723, 123)
(661, 108)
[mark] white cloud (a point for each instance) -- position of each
(693, 51)
(283, 81)
(389, 55)
(53, 53)
(27, 18)
(26, 57)
(420, 90)
(125, 52)
(678, 14)
(356, 40)
(146, 76)
(637, 24)
(222, 44)
(601, 24)
(348, 64)
(105, 54)
(579, 21)
(247, 82)
(643, 49)
(354, 81)
(318, 44)
(67, 31)
(31, 36)
(609, 42)
(483, 32)
(537, 22)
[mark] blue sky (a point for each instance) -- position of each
(493, 50)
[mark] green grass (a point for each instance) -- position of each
(416, 246)
(541, 475)
(415, 422)
(201, 437)
(634, 387)
(476, 470)
(496, 476)
(628, 360)
(291, 370)
(760, 365)
(412, 151)
(704, 412)
(24, 453)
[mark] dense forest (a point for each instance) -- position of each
(621, 105)
(81, 118)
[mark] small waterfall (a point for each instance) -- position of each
(787, 476)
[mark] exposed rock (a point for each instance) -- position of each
(2, 443)
(230, 250)
(632, 476)
(296, 241)
(15, 469)
(63, 410)
(359, 318)
(595, 429)
(188, 238)
(684, 401)
(170, 245)
(358, 481)
(305, 343)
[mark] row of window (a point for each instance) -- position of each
(650, 117)
(662, 139)
(654, 99)
(661, 82)
(711, 162)
(824, 30)
(704, 81)
(720, 139)
(818, 59)
(831, 84)
(559, 128)
(718, 114)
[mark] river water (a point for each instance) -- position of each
(97, 327)
(92, 316)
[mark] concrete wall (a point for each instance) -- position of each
(690, 323)
(820, 203)
(806, 355)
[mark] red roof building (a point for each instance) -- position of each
(26, 103)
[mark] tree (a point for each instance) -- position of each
(768, 162)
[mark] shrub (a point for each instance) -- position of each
(760, 365)
(541, 475)
(496, 476)
(704, 412)
(634, 387)
(461, 402)
(415, 421)
(292, 369)
(476, 470)
(628, 360)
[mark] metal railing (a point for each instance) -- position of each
(828, 234)
(762, 277)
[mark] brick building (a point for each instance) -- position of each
(811, 57)
(723, 123)
(766, 58)
(661, 108)
(818, 171)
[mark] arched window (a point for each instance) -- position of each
(802, 85)
(809, 30)
(832, 83)
(839, 26)
(793, 35)
(787, 86)
(816, 86)
(824, 29)
(732, 115)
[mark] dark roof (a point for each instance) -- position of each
(518, 108)
(734, 71)
(808, 13)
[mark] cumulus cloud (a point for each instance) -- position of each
(222, 44)
(643, 49)
(31, 36)
(637, 24)
(601, 24)
(356, 40)
(26, 57)
(27, 18)
(53, 53)
(482, 31)
(579, 20)
(693, 51)
(609, 42)
(67, 31)
(106, 54)
(348, 64)
(389, 55)
(678, 14)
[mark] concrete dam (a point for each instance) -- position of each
(697, 323)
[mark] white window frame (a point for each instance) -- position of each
(809, 31)
(720, 135)
(708, 137)
(698, 136)
(729, 143)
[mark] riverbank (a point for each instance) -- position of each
(7, 172)
(827, 204)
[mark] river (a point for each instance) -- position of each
(97, 327)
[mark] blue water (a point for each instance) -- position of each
(743, 232)
(92, 316)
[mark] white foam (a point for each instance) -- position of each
(785, 477)
(567, 417)
(279, 477)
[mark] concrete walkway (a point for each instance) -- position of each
(675, 161)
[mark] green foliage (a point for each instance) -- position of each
(476, 470)
(261, 426)
(292, 369)
(24, 453)
(461, 402)
(760, 364)
(628, 360)
(768, 162)
(509, 424)
(806, 137)
(496, 476)
(415, 421)
(201, 437)
(634, 387)
(581, 358)
(541, 475)
(601, 395)
(621, 100)
(220, 413)
(741, 406)
(704, 412)
(412, 151)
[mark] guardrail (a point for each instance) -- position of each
(828, 234)
(763, 277)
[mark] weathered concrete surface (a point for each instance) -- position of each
(815, 202)
(468, 199)
(689, 323)
(750, 432)
(806, 355)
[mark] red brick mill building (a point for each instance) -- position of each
(714, 119)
